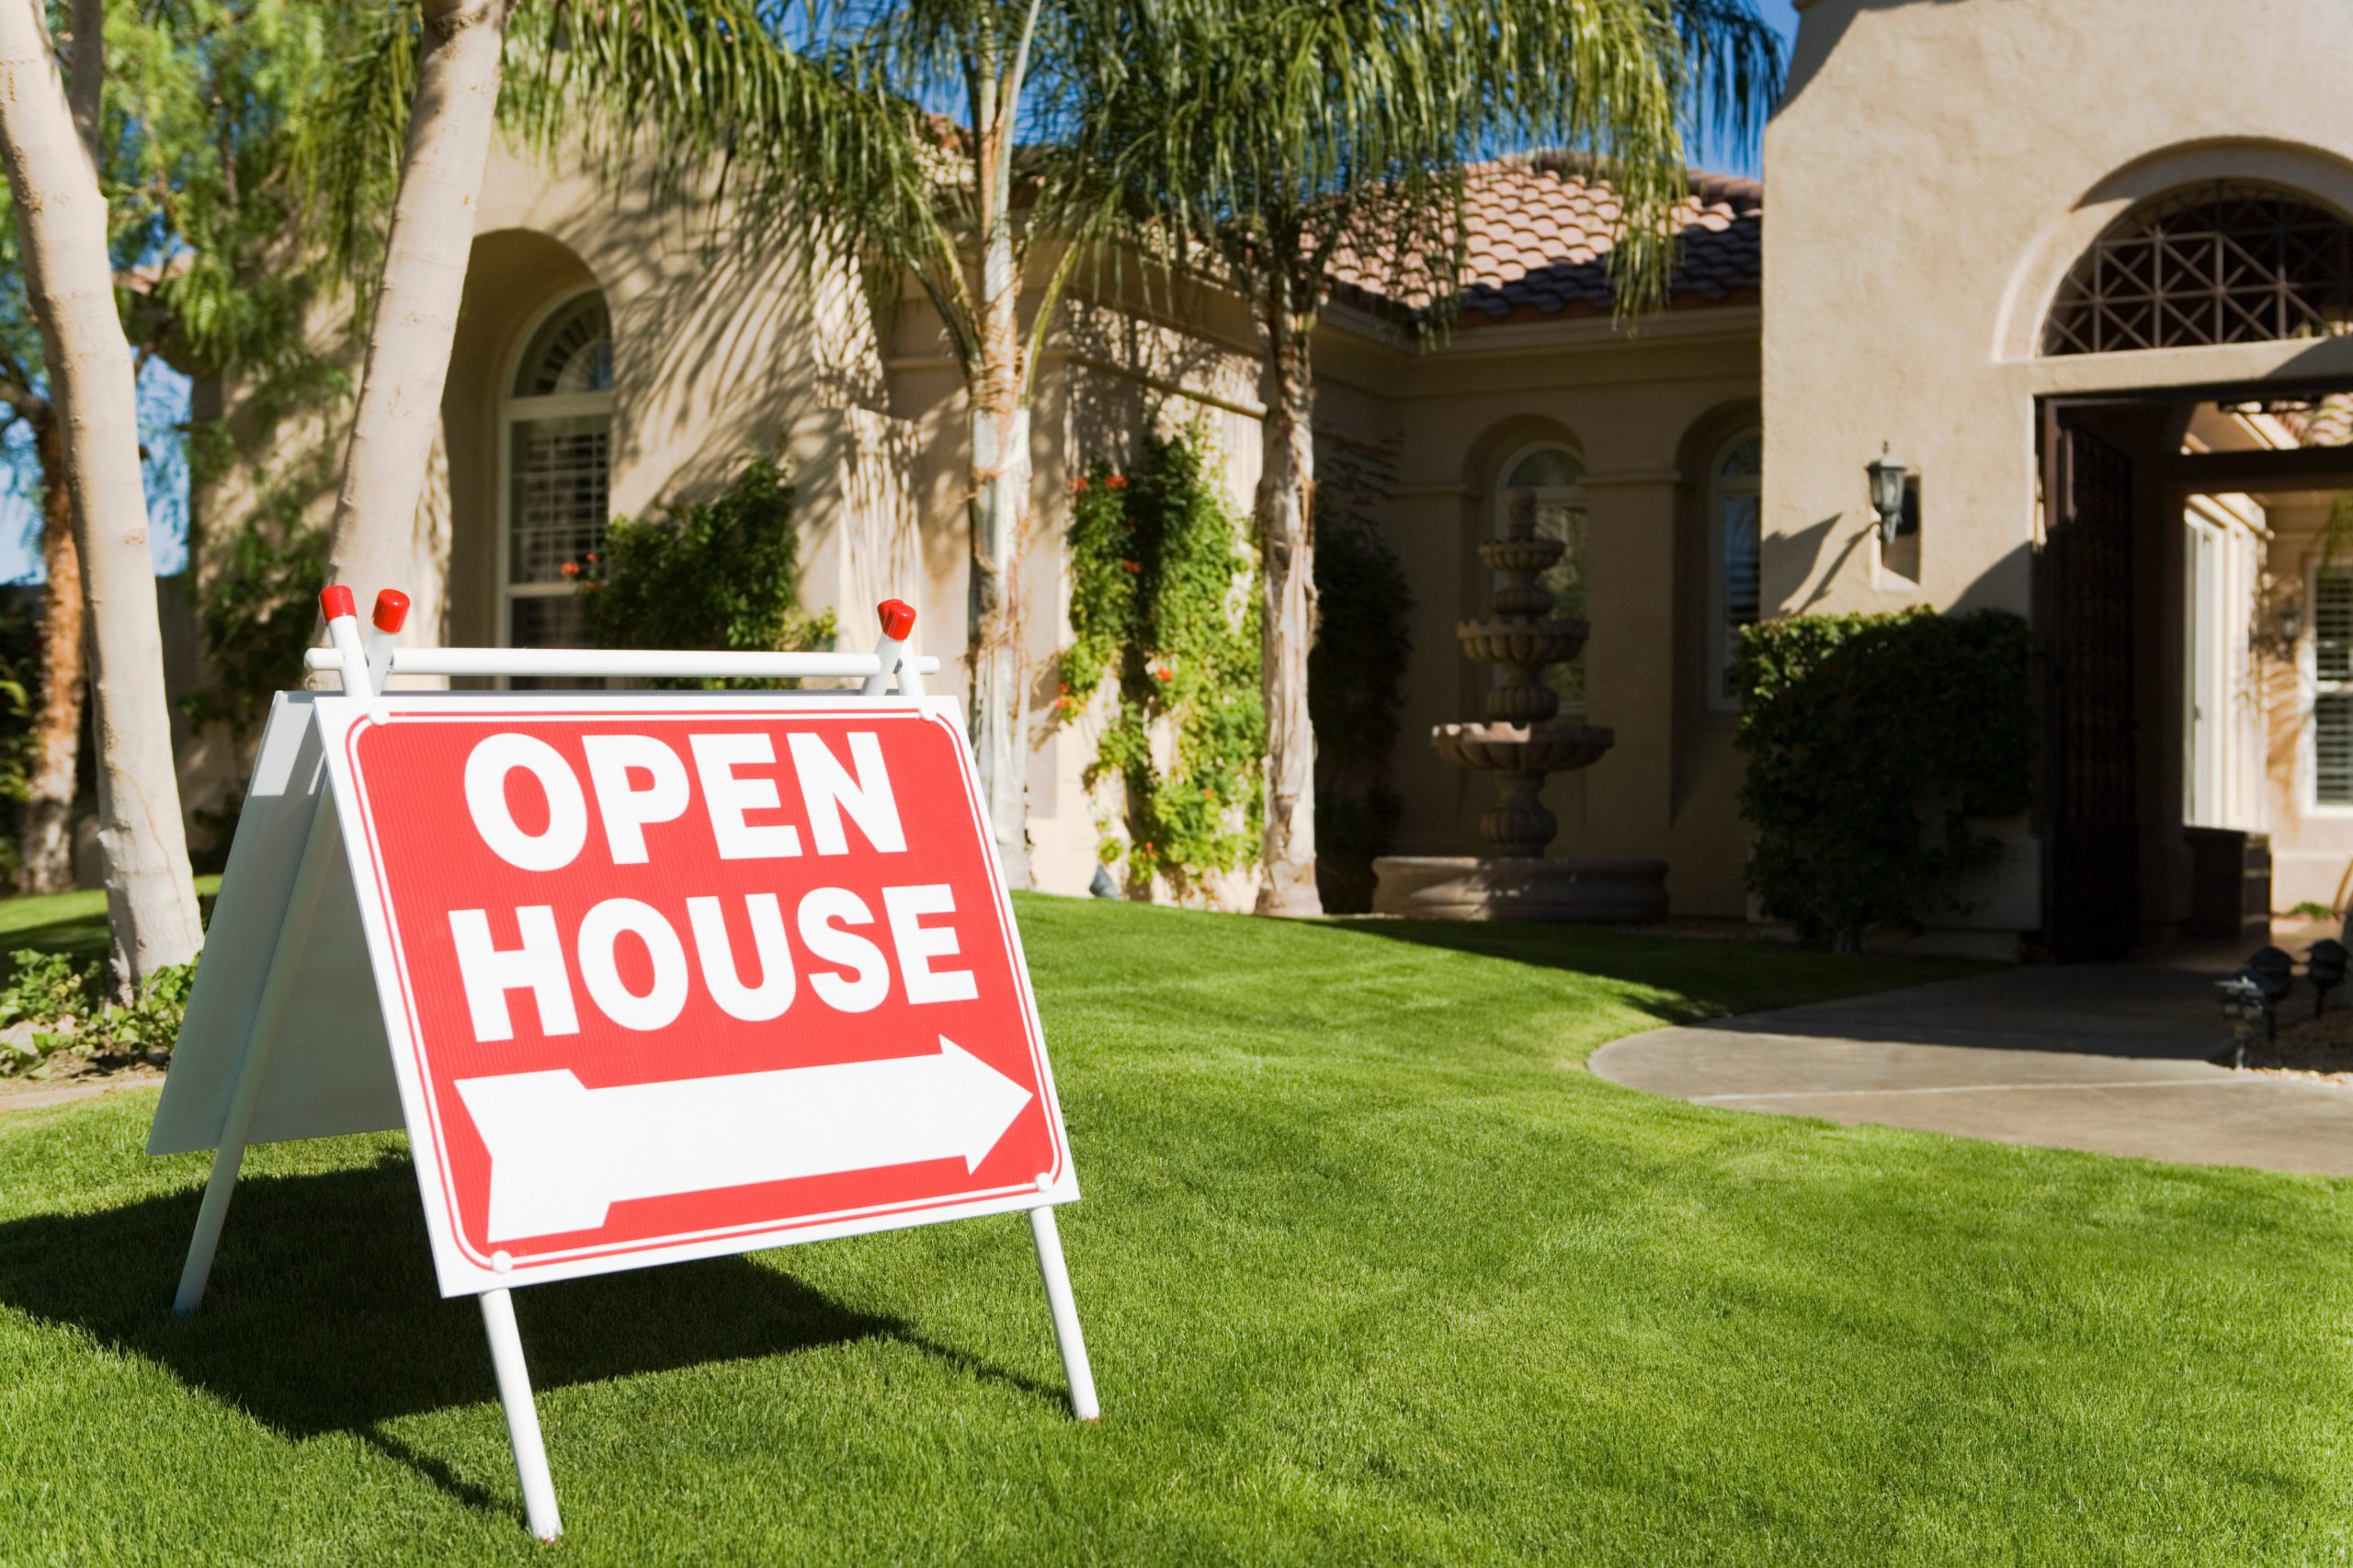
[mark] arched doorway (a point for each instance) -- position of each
(2141, 630)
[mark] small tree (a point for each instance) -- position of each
(49, 144)
(672, 88)
(414, 315)
(989, 210)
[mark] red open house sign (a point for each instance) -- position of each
(645, 975)
(697, 976)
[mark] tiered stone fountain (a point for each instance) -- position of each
(1522, 742)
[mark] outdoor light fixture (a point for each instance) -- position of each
(1887, 478)
(2292, 622)
(2275, 972)
(2325, 966)
(2248, 1010)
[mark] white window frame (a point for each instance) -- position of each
(514, 409)
(1499, 521)
(1719, 585)
(2315, 688)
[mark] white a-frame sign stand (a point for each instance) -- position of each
(421, 927)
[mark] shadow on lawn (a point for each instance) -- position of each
(1690, 978)
(323, 1315)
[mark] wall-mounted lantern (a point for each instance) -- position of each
(1887, 478)
(2292, 623)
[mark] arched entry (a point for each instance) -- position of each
(2123, 633)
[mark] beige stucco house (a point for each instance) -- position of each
(2083, 267)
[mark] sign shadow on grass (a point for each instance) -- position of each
(323, 1315)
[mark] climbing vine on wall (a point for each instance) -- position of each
(1878, 746)
(1165, 606)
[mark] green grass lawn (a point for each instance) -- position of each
(70, 922)
(1371, 1271)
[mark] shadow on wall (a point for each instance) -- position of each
(1822, 31)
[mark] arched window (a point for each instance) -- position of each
(1546, 485)
(1735, 492)
(557, 430)
(2224, 262)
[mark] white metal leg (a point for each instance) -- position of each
(253, 1068)
(522, 1415)
(1048, 1237)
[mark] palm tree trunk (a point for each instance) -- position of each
(1287, 576)
(46, 859)
(1000, 487)
(1000, 482)
(151, 902)
(373, 546)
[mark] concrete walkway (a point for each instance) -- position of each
(2109, 1059)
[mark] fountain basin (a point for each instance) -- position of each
(1531, 555)
(1521, 641)
(1464, 887)
(1522, 748)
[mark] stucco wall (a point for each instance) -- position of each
(1645, 413)
(1934, 167)
(720, 352)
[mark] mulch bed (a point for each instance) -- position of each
(2318, 1049)
(73, 1075)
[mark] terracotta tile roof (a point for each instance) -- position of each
(1540, 230)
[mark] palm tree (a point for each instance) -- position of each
(1270, 137)
(414, 317)
(944, 210)
(409, 130)
(830, 145)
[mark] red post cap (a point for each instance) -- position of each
(335, 602)
(392, 608)
(898, 619)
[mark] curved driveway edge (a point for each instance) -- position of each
(2110, 1060)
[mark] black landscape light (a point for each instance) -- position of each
(2325, 966)
(2248, 1010)
(2275, 971)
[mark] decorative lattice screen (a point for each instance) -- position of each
(2219, 263)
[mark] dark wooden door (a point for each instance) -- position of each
(2091, 860)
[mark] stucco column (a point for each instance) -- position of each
(1630, 670)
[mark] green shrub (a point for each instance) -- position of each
(722, 574)
(1165, 603)
(1876, 747)
(47, 1006)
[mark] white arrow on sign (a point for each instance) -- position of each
(561, 1153)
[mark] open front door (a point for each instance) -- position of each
(2084, 626)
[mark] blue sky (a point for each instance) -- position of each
(1720, 157)
(163, 405)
